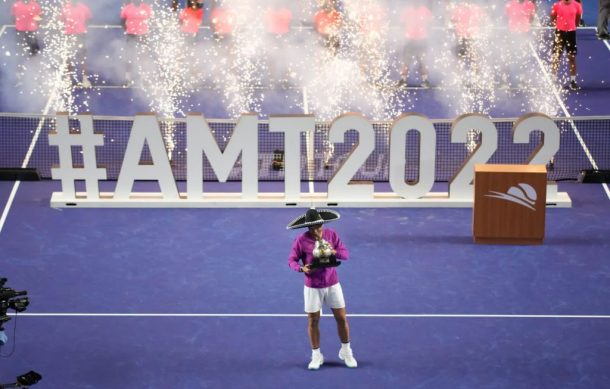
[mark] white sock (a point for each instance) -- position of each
(315, 352)
(572, 78)
(345, 346)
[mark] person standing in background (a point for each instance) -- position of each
(75, 16)
(135, 17)
(566, 15)
(278, 18)
(369, 23)
(416, 18)
(327, 23)
(520, 15)
(467, 18)
(28, 15)
(602, 19)
(222, 21)
(190, 20)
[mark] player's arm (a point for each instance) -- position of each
(295, 256)
(339, 249)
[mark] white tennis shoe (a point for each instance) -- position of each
(347, 356)
(317, 360)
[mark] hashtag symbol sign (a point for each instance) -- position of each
(67, 172)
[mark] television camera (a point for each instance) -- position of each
(15, 300)
(11, 299)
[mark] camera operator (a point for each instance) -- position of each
(15, 300)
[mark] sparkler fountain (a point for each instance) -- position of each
(360, 76)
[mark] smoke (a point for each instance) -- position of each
(172, 72)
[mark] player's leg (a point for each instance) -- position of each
(313, 304)
(336, 302)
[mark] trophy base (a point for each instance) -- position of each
(323, 265)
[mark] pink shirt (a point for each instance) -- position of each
(278, 20)
(520, 15)
(223, 21)
(416, 21)
(191, 20)
(136, 18)
(75, 18)
(467, 19)
(26, 15)
(565, 15)
(327, 22)
(302, 250)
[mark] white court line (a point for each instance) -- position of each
(26, 160)
(606, 189)
(364, 315)
(3, 29)
(9, 202)
(567, 115)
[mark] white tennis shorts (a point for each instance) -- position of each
(331, 296)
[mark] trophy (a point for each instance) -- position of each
(323, 255)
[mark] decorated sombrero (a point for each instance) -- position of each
(313, 217)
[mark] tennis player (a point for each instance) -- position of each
(321, 284)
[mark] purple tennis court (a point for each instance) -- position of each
(156, 297)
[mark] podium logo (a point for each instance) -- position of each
(522, 194)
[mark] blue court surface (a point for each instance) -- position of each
(204, 298)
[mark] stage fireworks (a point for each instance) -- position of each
(358, 71)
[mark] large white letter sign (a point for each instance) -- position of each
(244, 140)
(550, 136)
(427, 156)
(460, 186)
(66, 171)
(292, 126)
(298, 130)
(146, 130)
(339, 187)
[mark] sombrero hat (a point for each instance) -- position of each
(313, 217)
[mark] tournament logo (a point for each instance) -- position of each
(522, 194)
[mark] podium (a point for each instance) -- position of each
(509, 204)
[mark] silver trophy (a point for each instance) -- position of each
(323, 255)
